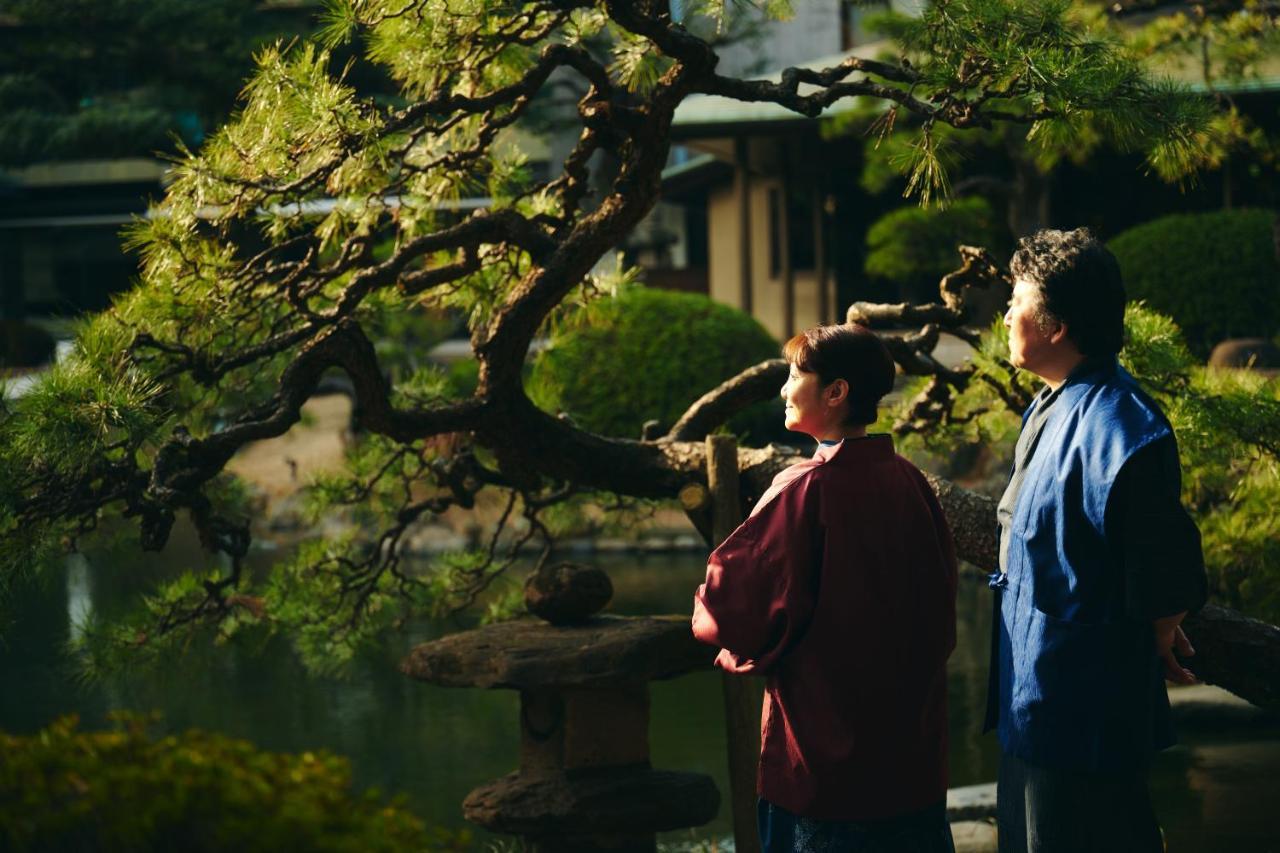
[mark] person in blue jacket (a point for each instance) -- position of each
(1099, 563)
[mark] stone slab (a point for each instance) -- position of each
(1207, 706)
(972, 802)
(974, 836)
(529, 653)
(614, 800)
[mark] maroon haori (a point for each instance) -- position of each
(840, 589)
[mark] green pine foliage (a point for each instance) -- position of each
(1224, 47)
(1216, 274)
(1227, 47)
(67, 789)
(1232, 43)
(1228, 428)
(1039, 60)
(977, 416)
(644, 354)
(89, 419)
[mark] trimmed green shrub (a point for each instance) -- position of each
(462, 377)
(63, 789)
(24, 345)
(914, 247)
(1215, 274)
(643, 355)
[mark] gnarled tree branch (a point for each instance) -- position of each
(716, 406)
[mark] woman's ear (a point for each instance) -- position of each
(837, 392)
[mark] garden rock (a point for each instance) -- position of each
(1256, 353)
(567, 593)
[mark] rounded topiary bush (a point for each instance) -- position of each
(64, 789)
(914, 247)
(643, 355)
(1215, 274)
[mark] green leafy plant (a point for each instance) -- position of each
(124, 78)
(67, 789)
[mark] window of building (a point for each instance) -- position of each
(799, 236)
(775, 232)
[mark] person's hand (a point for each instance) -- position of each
(1169, 638)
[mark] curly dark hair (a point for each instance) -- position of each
(1079, 284)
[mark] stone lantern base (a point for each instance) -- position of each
(584, 782)
(607, 808)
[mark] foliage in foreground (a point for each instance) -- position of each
(1227, 423)
(1216, 274)
(65, 789)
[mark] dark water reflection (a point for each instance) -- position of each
(1215, 792)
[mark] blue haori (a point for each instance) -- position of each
(1079, 684)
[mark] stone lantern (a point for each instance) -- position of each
(584, 780)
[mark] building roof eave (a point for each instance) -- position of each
(695, 173)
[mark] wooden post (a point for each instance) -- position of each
(722, 480)
(741, 705)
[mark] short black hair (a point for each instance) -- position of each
(850, 352)
(1078, 280)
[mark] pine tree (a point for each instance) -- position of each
(315, 218)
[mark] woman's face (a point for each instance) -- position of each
(808, 407)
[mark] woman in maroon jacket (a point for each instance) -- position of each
(840, 591)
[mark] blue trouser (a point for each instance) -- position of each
(925, 831)
(1058, 811)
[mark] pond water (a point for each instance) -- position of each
(1215, 791)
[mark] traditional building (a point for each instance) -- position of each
(60, 229)
(757, 210)
(763, 211)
